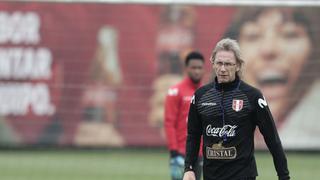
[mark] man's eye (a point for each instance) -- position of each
(219, 63)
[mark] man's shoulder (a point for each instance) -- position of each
(179, 84)
(175, 89)
(250, 91)
(247, 88)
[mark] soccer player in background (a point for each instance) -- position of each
(226, 113)
(177, 105)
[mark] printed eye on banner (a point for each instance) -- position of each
(237, 105)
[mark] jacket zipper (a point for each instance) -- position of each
(223, 115)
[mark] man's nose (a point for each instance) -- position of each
(223, 68)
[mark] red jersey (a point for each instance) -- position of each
(177, 105)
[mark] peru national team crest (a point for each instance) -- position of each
(237, 105)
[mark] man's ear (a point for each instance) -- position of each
(238, 68)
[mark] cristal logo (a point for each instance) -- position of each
(228, 130)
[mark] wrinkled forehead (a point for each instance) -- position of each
(225, 56)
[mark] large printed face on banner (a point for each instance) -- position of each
(276, 48)
(97, 76)
(279, 46)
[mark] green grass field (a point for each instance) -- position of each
(125, 165)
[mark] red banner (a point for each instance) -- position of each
(96, 74)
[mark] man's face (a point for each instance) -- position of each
(225, 66)
(275, 50)
(195, 70)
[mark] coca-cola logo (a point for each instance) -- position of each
(228, 130)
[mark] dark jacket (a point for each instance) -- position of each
(226, 115)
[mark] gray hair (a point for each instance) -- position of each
(228, 44)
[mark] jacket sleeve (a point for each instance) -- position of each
(193, 136)
(171, 117)
(268, 129)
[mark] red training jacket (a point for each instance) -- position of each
(177, 105)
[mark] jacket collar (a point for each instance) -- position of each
(226, 86)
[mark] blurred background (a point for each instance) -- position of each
(82, 83)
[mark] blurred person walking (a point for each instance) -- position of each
(177, 105)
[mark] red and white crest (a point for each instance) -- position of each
(237, 105)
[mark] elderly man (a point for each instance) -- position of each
(226, 113)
